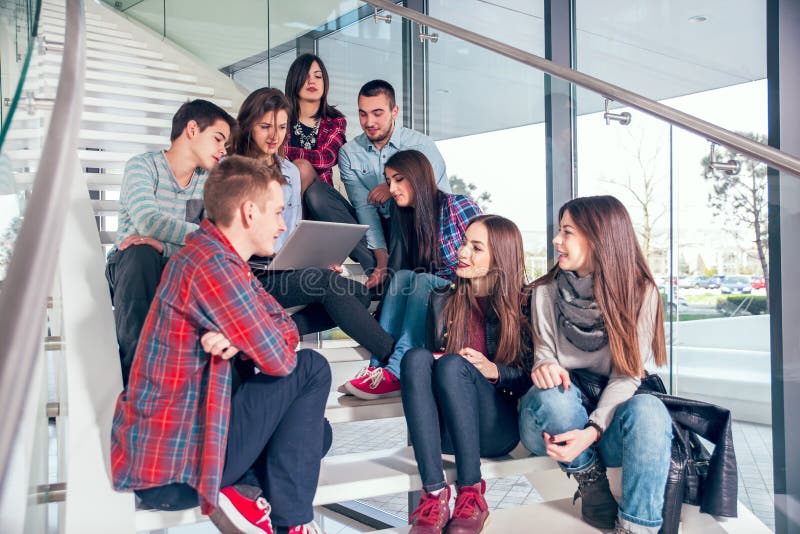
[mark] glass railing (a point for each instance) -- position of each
(18, 23)
(37, 159)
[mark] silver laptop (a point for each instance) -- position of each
(315, 244)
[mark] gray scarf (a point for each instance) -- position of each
(577, 313)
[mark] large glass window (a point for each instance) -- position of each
(703, 229)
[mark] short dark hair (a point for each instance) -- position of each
(378, 87)
(203, 112)
(233, 181)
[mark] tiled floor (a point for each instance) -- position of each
(753, 444)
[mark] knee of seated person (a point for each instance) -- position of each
(556, 400)
(402, 279)
(315, 363)
(142, 254)
(414, 359)
(451, 367)
(308, 174)
(647, 414)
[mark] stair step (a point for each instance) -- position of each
(51, 17)
(348, 477)
(99, 102)
(56, 33)
(89, 158)
(158, 69)
(561, 515)
(346, 352)
(103, 89)
(97, 54)
(97, 181)
(347, 408)
(142, 81)
(48, 11)
(109, 118)
(124, 50)
(551, 516)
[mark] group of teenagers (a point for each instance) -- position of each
(220, 409)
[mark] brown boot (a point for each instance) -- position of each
(471, 511)
(432, 513)
(598, 507)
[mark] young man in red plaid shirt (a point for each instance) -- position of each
(196, 423)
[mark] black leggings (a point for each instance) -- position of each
(331, 300)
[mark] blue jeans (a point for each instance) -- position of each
(639, 439)
(405, 309)
(451, 407)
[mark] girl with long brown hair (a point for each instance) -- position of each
(427, 229)
(463, 400)
(599, 311)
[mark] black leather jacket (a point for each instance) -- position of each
(514, 380)
(695, 476)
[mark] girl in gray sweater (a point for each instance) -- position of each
(599, 310)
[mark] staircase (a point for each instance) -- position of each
(134, 83)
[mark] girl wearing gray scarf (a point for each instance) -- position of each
(599, 310)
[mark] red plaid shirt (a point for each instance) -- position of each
(171, 423)
(330, 138)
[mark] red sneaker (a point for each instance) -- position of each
(308, 528)
(374, 384)
(242, 510)
(361, 374)
(432, 514)
(471, 511)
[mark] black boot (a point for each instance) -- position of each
(598, 506)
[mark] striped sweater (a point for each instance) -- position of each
(154, 205)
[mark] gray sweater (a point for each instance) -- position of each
(552, 346)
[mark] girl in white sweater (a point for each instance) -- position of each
(599, 310)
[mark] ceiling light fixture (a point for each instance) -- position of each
(698, 19)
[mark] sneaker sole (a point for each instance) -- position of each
(230, 521)
(363, 395)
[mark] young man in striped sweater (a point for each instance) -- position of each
(161, 203)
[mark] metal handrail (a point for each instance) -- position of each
(24, 294)
(736, 142)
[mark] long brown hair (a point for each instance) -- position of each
(296, 79)
(419, 224)
(621, 277)
(259, 102)
(507, 293)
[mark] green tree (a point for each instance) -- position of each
(741, 199)
(460, 187)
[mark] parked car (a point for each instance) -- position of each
(735, 284)
(713, 282)
(758, 282)
(692, 281)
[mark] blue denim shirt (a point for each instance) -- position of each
(292, 203)
(361, 167)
